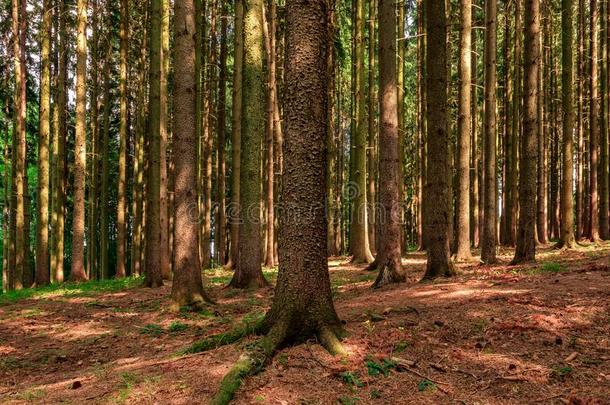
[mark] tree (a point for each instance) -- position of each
(526, 242)
(464, 130)
(123, 135)
(153, 228)
(389, 254)
(248, 273)
(187, 287)
(42, 225)
(164, 239)
(488, 238)
(567, 239)
(436, 196)
(359, 238)
(220, 151)
(594, 112)
(303, 304)
(236, 98)
(80, 151)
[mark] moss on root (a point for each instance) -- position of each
(246, 329)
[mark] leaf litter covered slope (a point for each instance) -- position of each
(492, 335)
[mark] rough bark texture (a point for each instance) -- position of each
(526, 242)
(489, 236)
(567, 239)
(104, 266)
(42, 225)
(153, 237)
(464, 129)
(249, 272)
(221, 130)
(604, 230)
(474, 145)
(80, 151)
(164, 238)
(187, 286)
(388, 256)
(372, 134)
(436, 200)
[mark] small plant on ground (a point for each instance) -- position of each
(375, 369)
(551, 267)
(152, 330)
(426, 385)
(352, 379)
(177, 326)
(561, 372)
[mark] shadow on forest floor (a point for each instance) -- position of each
(494, 334)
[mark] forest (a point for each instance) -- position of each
(305, 201)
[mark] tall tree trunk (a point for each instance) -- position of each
(80, 152)
(526, 243)
(359, 238)
(104, 267)
(371, 132)
(42, 225)
(92, 241)
(153, 226)
(249, 272)
(187, 286)
(474, 144)
(544, 125)
(604, 230)
(222, 128)
(332, 190)
(488, 239)
(389, 255)
(163, 144)
(464, 130)
(580, 180)
(516, 121)
(567, 202)
(594, 112)
(123, 135)
(436, 197)
(7, 192)
(233, 212)
(421, 105)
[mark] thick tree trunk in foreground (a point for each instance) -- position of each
(464, 129)
(153, 229)
(248, 273)
(42, 225)
(80, 151)
(436, 197)
(187, 286)
(388, 257)
(488, 239)
(526, 239)
(567, 239)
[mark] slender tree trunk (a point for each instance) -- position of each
(475, 142)
(526, 243)
(488, 239)
(249, 273)
(464, 130)
(163, 144)
(222, 128)
(92, 241)
(104, 267)
(123, 136)
(42, 224)
(543, 172)
(421, 100)
(436, 197)
(594, 113)
(359, 238)
(604, 230)
(372, 132)
(389, 257)
(6, 214)
(332, 190)
(80, 152)
(580, 180)
(567, 203)
(187, 286)
(153, 247)
(516, 121)
(233, 212)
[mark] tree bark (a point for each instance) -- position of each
(488, 238)
(389, 254)
(526, 242)
(464, 130)
(436, 197)
(594, 112)
(249, 272)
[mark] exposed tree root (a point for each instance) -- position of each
(246, 329)
(388, 275)
(261, 352)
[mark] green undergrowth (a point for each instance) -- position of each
(71, 289)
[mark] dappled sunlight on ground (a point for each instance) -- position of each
(496, 334)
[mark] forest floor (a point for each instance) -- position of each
(537, 333)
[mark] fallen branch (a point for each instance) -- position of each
(215, 341)
(403, 364)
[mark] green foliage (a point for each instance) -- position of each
(561, 372)
(345, 400)
(375, 394)
(375, 369)
(152, 329)
(177, 326)
(401, 346)
(551, 267)
(426, 385)
(352, 379)
(71, 289)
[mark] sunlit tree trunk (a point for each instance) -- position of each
(104, 266)
(526, 244)
(163, 144)
(474, 144)
(594, 112)
(580, 179)
(222, 128)
(44, 130)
